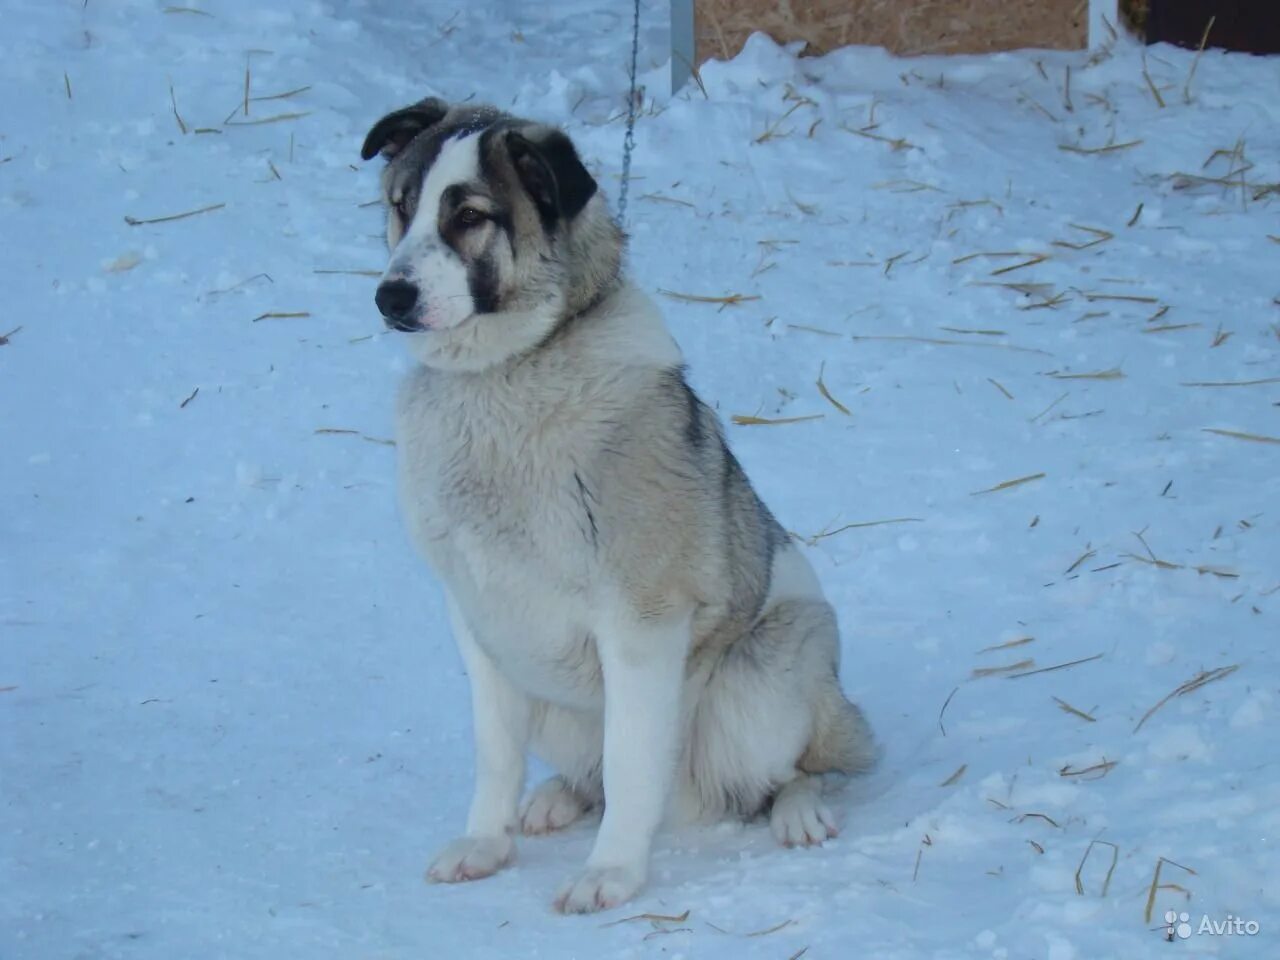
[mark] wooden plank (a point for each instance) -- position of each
(901, 26)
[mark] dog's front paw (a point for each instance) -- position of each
(599, 888)
(553, 805)
(471, 858)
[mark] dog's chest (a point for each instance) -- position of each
(498, 483)
(504, 511)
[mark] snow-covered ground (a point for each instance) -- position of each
(232, 722)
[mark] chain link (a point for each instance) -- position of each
(629, 142)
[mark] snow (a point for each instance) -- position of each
(233, 722)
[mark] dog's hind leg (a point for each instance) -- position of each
(773, 715)
(552, 805)
(841, 742)
(571, 741)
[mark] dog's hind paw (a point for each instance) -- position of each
(553, 805)
(471, 858)
(799, 817)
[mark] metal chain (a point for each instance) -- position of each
(629, 142)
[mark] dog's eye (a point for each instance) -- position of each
(469, 216)
(402, 208)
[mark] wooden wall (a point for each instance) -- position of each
(902, 26)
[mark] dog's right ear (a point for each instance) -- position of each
(393, 132)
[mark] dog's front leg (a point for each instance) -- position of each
(501, 726)
(643, 664)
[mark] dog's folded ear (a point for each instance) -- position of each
(549, 169)
(393, 132)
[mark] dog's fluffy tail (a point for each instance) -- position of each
(842, 740)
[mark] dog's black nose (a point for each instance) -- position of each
(395, 300)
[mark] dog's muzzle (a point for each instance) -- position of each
(396, 300)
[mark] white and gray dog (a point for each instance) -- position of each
(625, 605)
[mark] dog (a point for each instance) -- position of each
(625, 605)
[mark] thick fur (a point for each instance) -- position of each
(626, 606)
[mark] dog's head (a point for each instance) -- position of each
(497, 232)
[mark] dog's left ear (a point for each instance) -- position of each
(549, 169)
(394, 132)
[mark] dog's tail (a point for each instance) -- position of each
(842, 740)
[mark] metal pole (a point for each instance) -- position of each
(682, 45)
